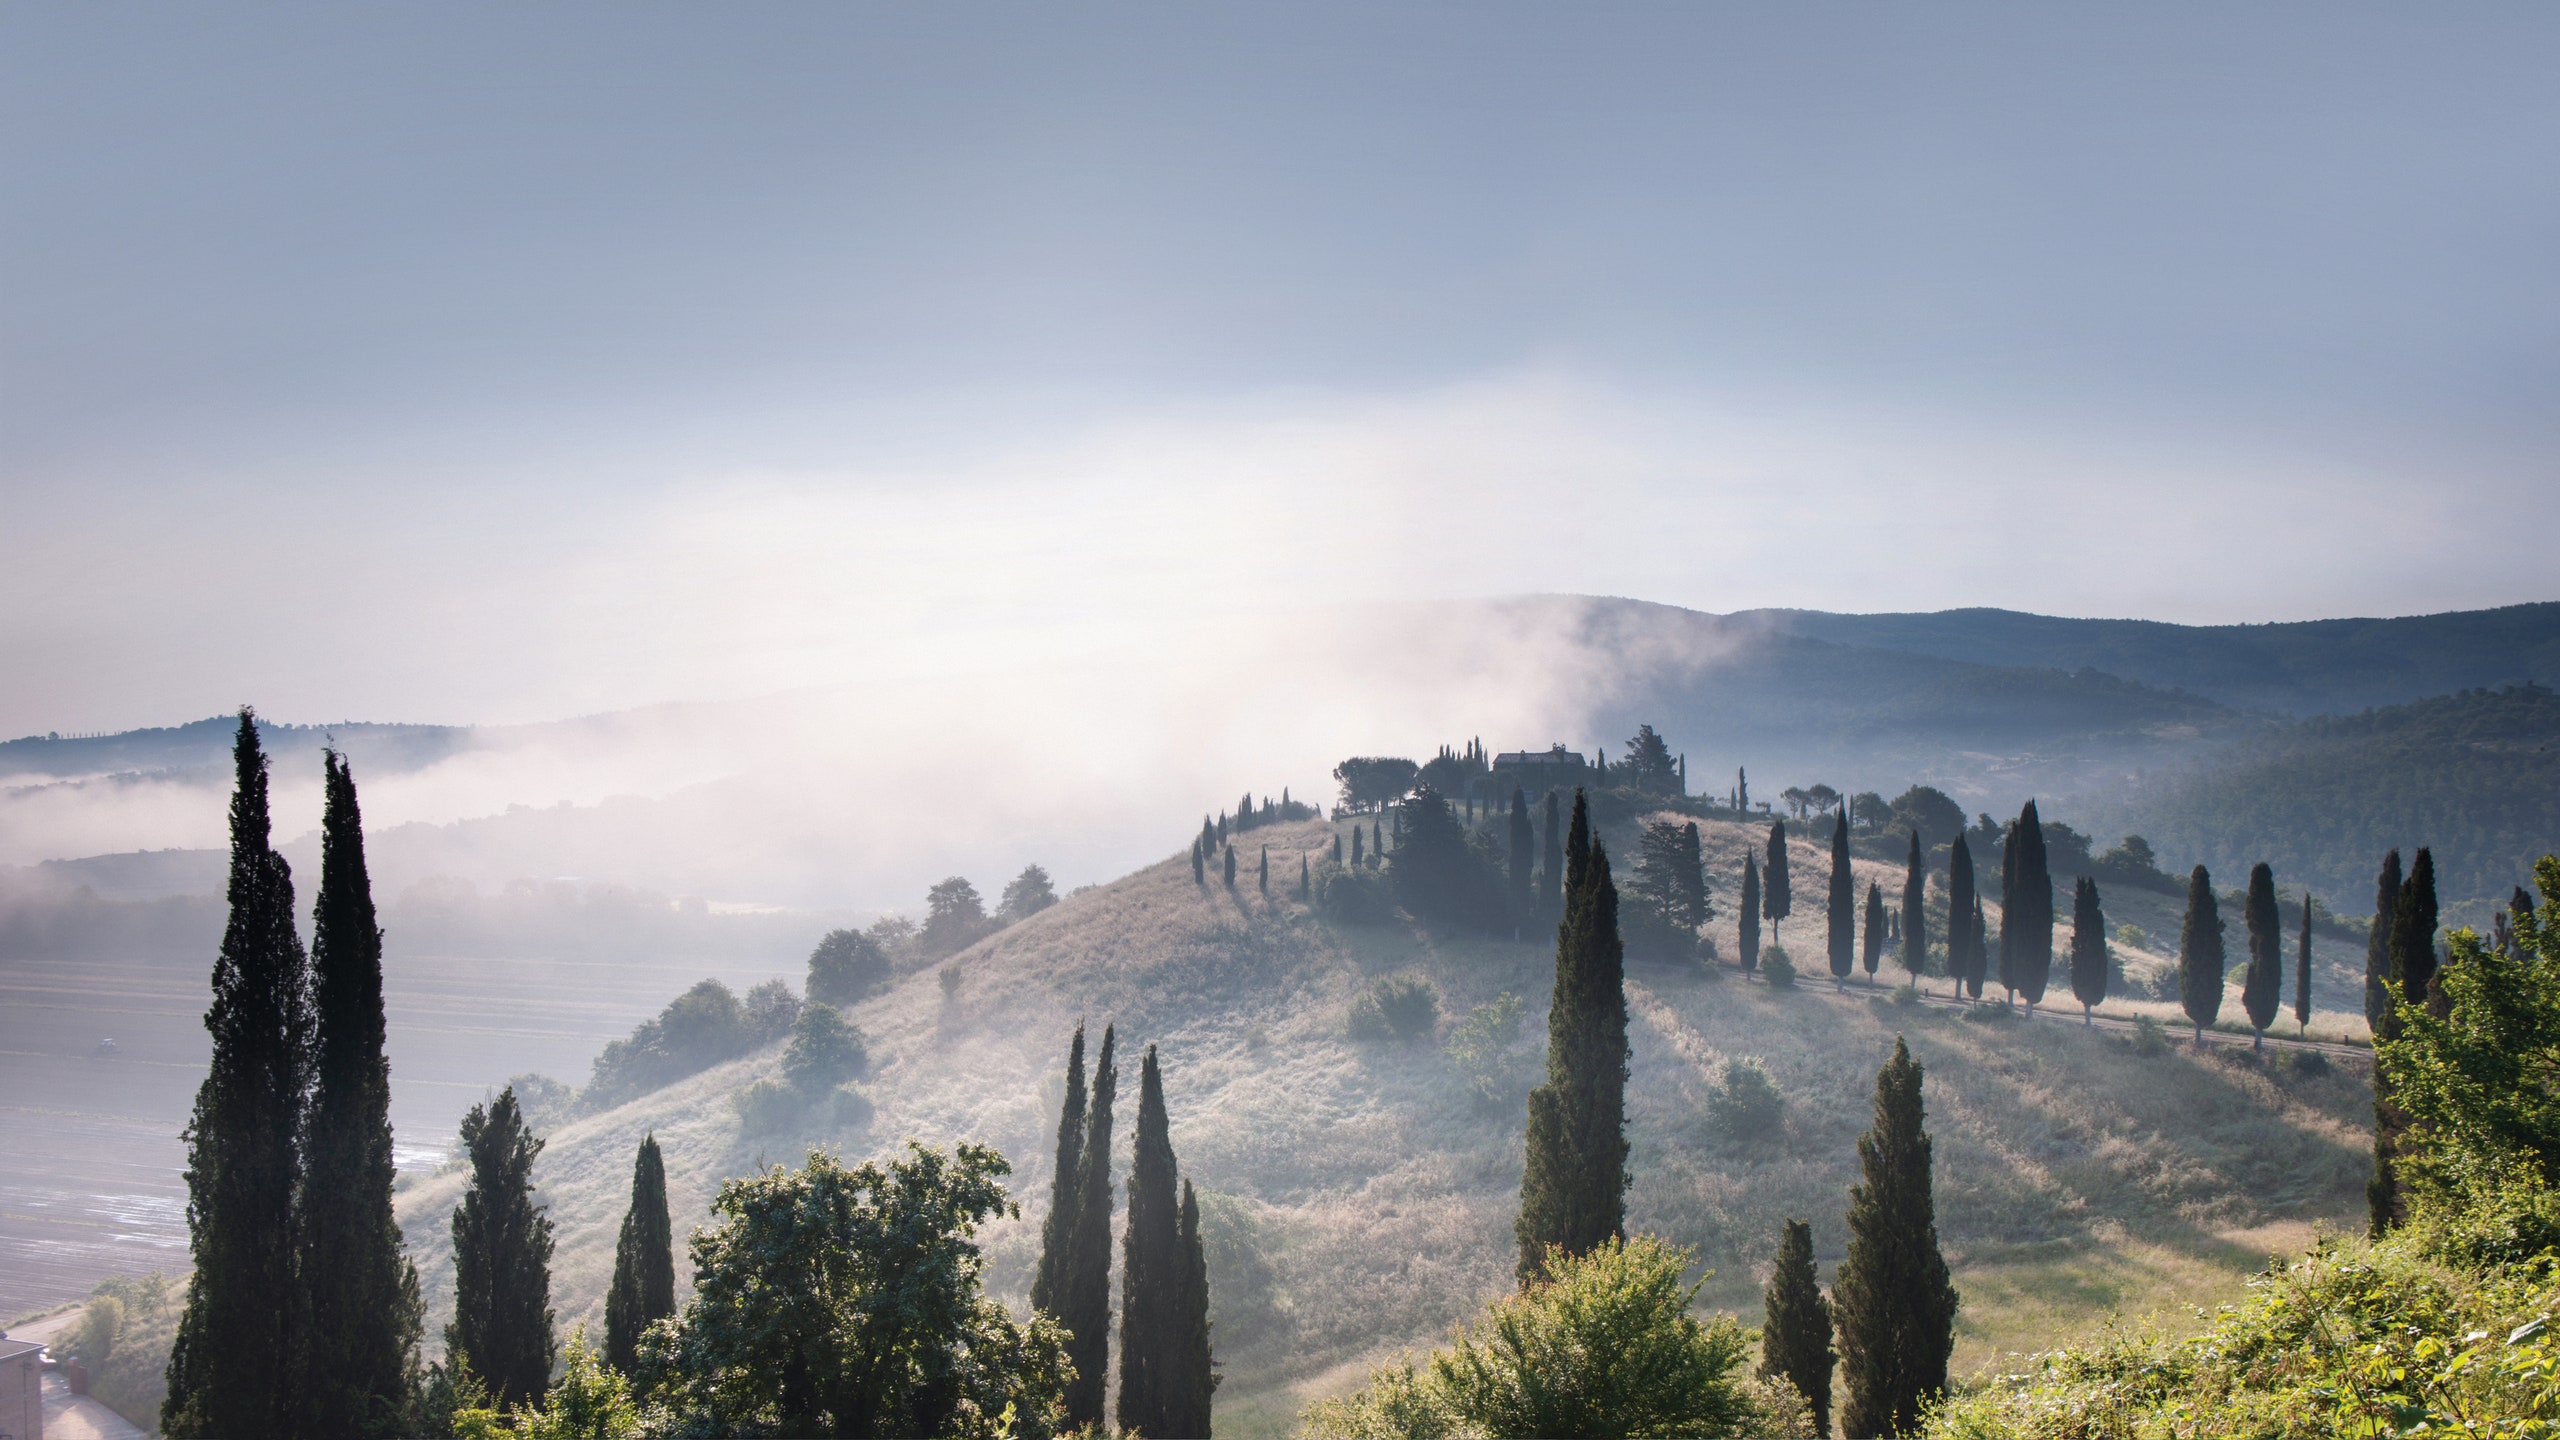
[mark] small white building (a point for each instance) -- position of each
(21, 1389)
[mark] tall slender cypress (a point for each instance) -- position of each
(2302, 972)
(1048, 1283)
(1524, 861)
(1199, 868)
(1262, 871)
(1795, 1341)
(1573, 1188)
(232, 1366)
(1777, 894)
(1841, 914)
(502, 1258)
(644, 1262)
(361, 1314)
(1551, 862)
(2026, 920)
(1894, 1300)
(1979, 929)
(1151, 1378)
(2413, 931)
(2377, 944)
(2409, 967)
(2088, 947)
(2262, 988)
(2200, 957)
(2008, 912)
(1872, 949)
(1194, 1382)
(1231, 867)
(1748, 922)
(1084, 1299)
(1305, 888)
(1915, 913)
(1964, 939)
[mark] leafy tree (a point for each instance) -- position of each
(699, 1029)
(2377, 943)
(1795, 1340)
(1823, 799)
(1608, 1347)
(1668, 893)
(2262, 988)
(1058, 1227)
(1372, 782)
(2302, 972)
(1026, 895)
(1522, 858)
(2200, 959)
(1158, 1389)
(954, 918)
(771, 1010)
(2088, 947)
(829, 1300)
(1797, 800)
(1926, 811)
(1777, 896)
(1842, 912)
(1748, 920)
(229, 1370)
(1872, 950)
(1084, 1287)
(1892, 1296)
(1915, 912)
(1439, 876)
(361, 1314)
(2026, 912)
(502, 1258)
(644, 1265)
(1648, 768)
(1573, 1188)
(1964, 933)
(1868, 811)
(826, 1050)
(592, 1401)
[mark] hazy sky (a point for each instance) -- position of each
(492, 363)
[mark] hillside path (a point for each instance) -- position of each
(2176, 1035)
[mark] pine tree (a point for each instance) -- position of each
(1872, 950)
(2200, 959)
(1842, 913)
(644, 1262)
(1573, 1187)
(2302, 973)
(1893, 1299)
(1084, 1300)
(1551, 862)
(1195, 1368)
(502, 1258)
(2088, 947)
(1964, 941)
(1748, 920)
(361, 1314)
(1523, 844)
(2262, 988)
(1152, 1379)
(2026, 918)
(231, 1367)
(1914, 921)
(1058, 1228)
(1777, 896)
(1795, 1340)
(2377, 944)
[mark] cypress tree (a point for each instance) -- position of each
(1084, 1300)
(2413, 932)
(1262, 873)
(2377, 945)
(2262, 989)
(1777, 895)
(2200, 959)
(1873, 950)
(644, 1262)
(1795, 1340)
(231, 1368)
(1979, 948)
(1305, 888)
(1892, 1296)
(1842, 913)
(1151, 1372)
(1573, 1187)
(2088, 947)
(2409, 966)
(2008, 899)
(1551, 862)
(361, 1314)
(1749, 920)
(502, 1258)
(1231, 867)
(1914, 922)
(1058, 1229)
(1964, 942)
(1199, 870)
(1337, 847)
(2026, 919)
(2302, 973)
(1359, 838)
(1196, 1377)
(1378, 841)
(1523, 843)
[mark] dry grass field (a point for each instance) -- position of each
(1360, 1199)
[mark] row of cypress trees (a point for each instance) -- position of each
(1167, 1372)
(302, 1317)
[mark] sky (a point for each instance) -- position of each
(480, 363)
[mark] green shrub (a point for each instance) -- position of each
(1906, 995)
(2148, 1036)
(1353, 897)
(1778, 968)
(1743, 1103)
(100, 1326)
(849, 1107)
(1480, 1046)
(1394, 1007)
(1606, 1348)
(767, 1106)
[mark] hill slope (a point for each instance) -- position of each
(1359, 1202)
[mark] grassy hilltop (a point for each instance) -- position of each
(1360, 1200)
